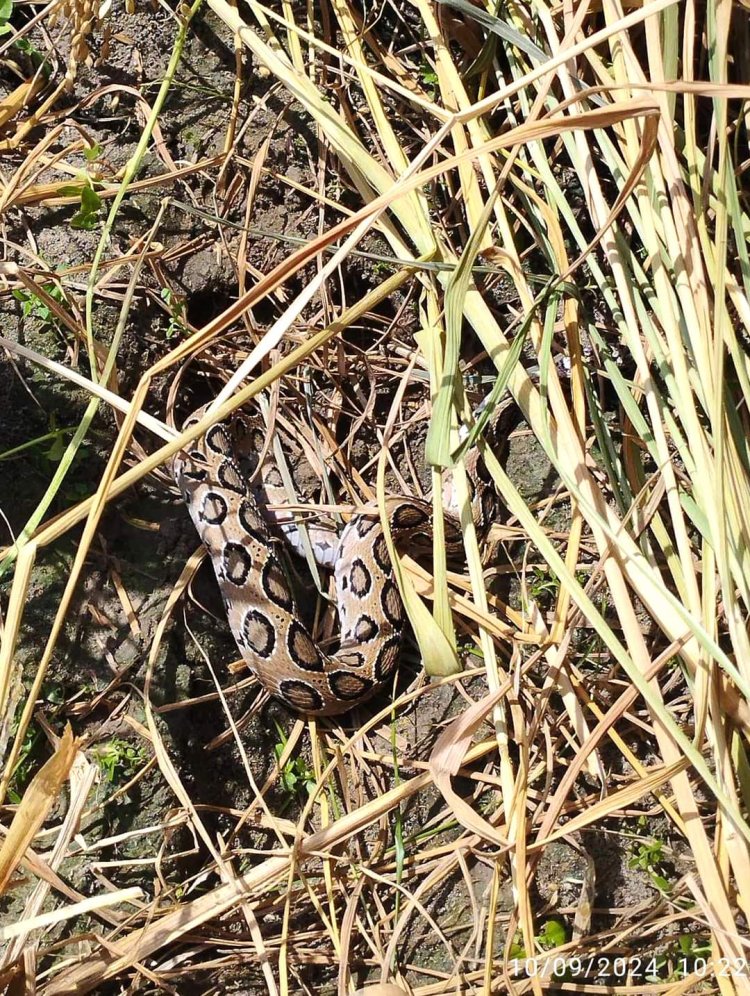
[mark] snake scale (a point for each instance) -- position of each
(237, 531)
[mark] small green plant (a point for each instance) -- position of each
(470, 650)
(92, 152)
(552, 934)
(658, 968)
(693, 947)
(648, 856)
(119, 758)
(32, 305)
(22, 46)
(54, 452)
(87, 216)
(690, 954)
(6, 12)
(517, 949)
(32, 749)
(25, 766)
(49, 448)
(55, 438)
(593, 653)
(176, 307)
(429, 79)
(297, 777)
(543, 581)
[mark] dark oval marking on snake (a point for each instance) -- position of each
(236, 563)
(409, 517)
(352, 658)
(258, 633)
(348, 686)
(252, 521)
(422, 541)
(365, 629)
(274, 585)
(380, 554)
(360, 579)
(196, 474)
(390, 600)
(197, 456)
(218, 441)
(300, 695)
(302, 650)
(387, 658)
(230, 477)
(213, 508)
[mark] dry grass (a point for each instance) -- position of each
(595, 159)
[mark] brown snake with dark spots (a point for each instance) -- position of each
(260, 605)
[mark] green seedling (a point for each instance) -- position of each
(429, 79)
(31, 755)
(297, 777)
(25, 766)
(87, 217)
(54, 451)
(648, 856)
(33, 306)
(690, 954)
(552, 934)
(119, 759)
(6, 12)
(176, 307)
(21, 46)
(543, 582)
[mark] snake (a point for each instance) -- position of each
(243, 536)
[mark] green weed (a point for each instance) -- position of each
(119, 759)
(176, 307)
(649, 856)
(297, 777)
(33, 306)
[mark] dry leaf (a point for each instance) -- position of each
(37, 801)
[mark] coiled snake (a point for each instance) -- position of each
(260, 605)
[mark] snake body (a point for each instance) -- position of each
(258, 598)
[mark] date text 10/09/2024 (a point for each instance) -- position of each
(644, 968)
